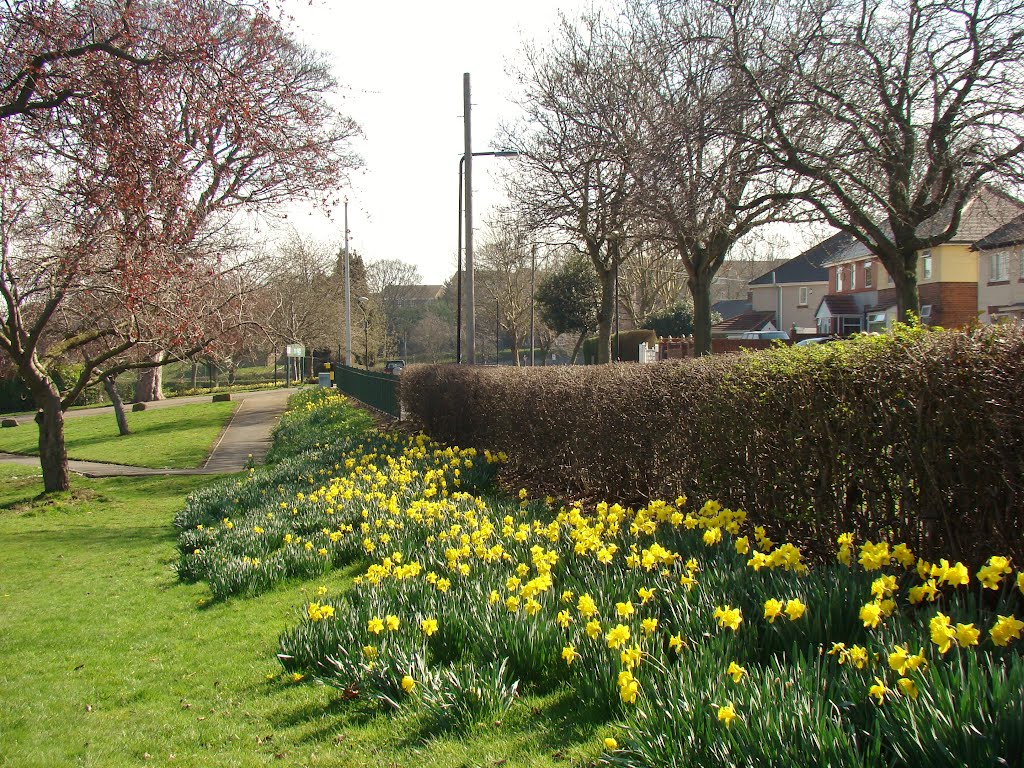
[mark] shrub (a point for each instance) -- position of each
(916, 432)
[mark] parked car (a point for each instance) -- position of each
(815, 340)
(767, 335)
(394, 367)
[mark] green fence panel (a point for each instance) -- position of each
(377, 390)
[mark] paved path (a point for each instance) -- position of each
(248, 433)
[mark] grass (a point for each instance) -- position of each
(163, 438)
(106, 658)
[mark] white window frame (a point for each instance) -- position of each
(839, 278)
(997, 267)
(803, 296)
(926, 265)
(926, 311)
(868, 268)
(853, 277)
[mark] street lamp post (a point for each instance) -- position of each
(348, 297)
(469, 265)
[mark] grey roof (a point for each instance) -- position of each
(747, 321)
(729, 308)
(808, 266)
(987, 210)
(840, 305)
(1009, 234)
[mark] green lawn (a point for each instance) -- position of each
(163, 438)
(105, 658)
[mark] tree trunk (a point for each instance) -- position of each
(576, 349)
(110, 386)
(149, 384)
(195, 373)
(605, 315)
(907, 298)
(53, 457)
(700, 289)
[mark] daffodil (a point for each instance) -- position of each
(610, 743)
(735, 671)
(727, 713)
(375, 625)
(617, 636)
(429, 626)
(408, 684)
(942, 632)
(795, 609)
(871, 615)
(569, 654)
(729, 617)
(908, 687)
(878, 690)
(1005, 629)
(772, 609)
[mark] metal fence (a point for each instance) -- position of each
(377, 390)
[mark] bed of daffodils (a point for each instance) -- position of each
(695, 636)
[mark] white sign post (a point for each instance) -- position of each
(296, 351)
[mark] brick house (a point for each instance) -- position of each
(862, 296)
(790, 293)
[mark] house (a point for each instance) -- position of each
(745, 321)
(791, 292)
(862, 296)
(1001, 272)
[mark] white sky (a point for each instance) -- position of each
(401, 65)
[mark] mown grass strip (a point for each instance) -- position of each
(175, 437)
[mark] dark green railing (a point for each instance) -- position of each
(377, 390)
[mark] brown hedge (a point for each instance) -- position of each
(915, 436)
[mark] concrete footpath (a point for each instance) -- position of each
(247, 434)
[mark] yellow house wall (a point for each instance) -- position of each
(952, 263)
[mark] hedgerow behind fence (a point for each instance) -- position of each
(917, 433)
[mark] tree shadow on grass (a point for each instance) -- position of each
(552, 725)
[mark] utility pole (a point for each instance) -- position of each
(470, 296)
(533, 294)
(348, 297)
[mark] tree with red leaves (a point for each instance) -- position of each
(132, 132)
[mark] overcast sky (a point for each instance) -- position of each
(401, 65)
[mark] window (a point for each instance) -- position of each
(867, 274)
(926, 311)
(997, 267)
(804, 291)
(850, 325)
(926, 265)
(839, 279)
(888, 278)
(853, 277)
(876, 321)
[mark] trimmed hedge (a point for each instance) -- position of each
(916, 435)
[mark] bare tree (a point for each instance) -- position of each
(698, 161)
(305, 291)
(504, 265)
(893, 112)
(574, 168)
(393, 286)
